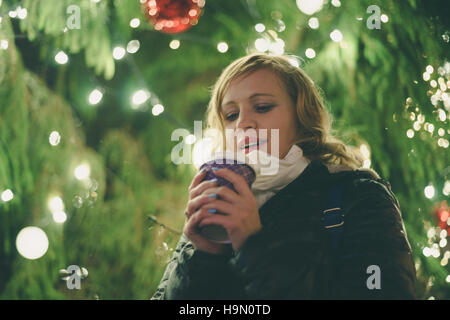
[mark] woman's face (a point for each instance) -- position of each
(259, 101)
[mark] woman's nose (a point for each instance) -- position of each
(245, 121)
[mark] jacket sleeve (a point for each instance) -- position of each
(374, 234)
(375, 260)
(193, 274)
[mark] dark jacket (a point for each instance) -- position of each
(291, 258)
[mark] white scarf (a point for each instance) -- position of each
(289, 168)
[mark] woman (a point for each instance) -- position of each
(279, 246)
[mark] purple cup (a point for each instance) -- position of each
(213, 232)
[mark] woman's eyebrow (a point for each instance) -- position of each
(250, 98)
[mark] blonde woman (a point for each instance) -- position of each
(282, 246)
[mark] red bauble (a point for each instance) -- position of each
(443, 215)
(173, 16)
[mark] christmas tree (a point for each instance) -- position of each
(91, 90)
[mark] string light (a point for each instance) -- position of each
(429, 191)
(309, 6)
(260, 27)
(59, 217)
(95, 96)
(157, 109)
(134, 23)
(336, 3)
(410, 133)
(133, 46)
(222, 47)
(61, 57)
(313, 23)
(336, 35)
(54, 138)
(261, 44)
(7, 195)
(174, 44)
(4, 44)
(32, 243)
(119, 53)
(82, 172)
(310, 53)
(384, 18)
(139, 97)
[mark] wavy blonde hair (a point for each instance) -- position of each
(315, 135)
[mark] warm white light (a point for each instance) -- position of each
(4, 44)
(21, 13)
(54, 138)
(261, 44)
(133, 46)
(157, 109)
(134, 23)
(174, 44)
(190, 139)
(59, 216)
(82, 172)
(426, 76)
(310, 53)
(410, 133)
(61, 57)
(32, 243)
(277, 47)
(13, 14)
(95, 96)
(313, 23)
(119, 53)
(336, 3)
(441, 114)
(140, 96)
(429, 191)
(309, 6)
(222, 47)
(433, 83)
(260, 27)
(426, 252)
(7, 195)
(429, 69)
(384, 18)
(336, 35)
(56, 204)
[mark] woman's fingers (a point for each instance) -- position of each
(200, 188)
(209, 195)
(192, 227)
(197, 179)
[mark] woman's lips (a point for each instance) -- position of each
(250, 146)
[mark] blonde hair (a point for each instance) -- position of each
(315, 135)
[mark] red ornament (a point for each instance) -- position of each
(173, 16)
(443, 215)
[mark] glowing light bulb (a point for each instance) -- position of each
(134, 23)
(119, 53)
(336, 35)
(157, 109)
(309, 6)
(261, 44)
(336, 3)
(410, 133)
(82, 172)
(140, 97)
(133, 46)
(56, 204)
(59, 216)
(174, 44)
(429, 191)
(429, 69)
(310, 53)
(384, 18)
(260, 27)
(61, 57)
(313, 23)
(54, 138)
(4, 44)
(95, 96)
(32, 243)
(222, 47)
(7, 195)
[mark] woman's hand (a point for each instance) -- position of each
(198, 197)
(239, 213)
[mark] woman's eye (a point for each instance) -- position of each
(263, 108)
(231, 116)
